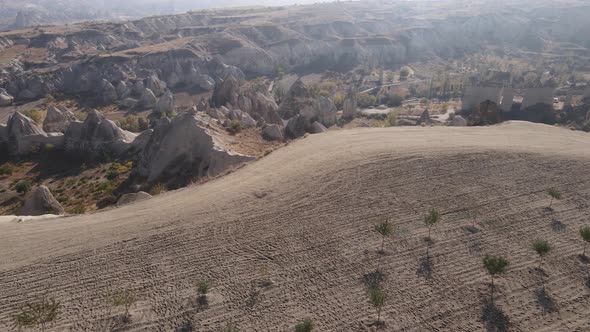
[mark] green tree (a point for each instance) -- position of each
(585, 234)
(385, 229)
(202, 291)
(495, 265)
(555, 194)
(542, 248)
(305, 326)
(431, 219)
(37, 314)
(23, 187)
(377, 298)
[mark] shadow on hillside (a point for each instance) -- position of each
(545, 301)
(425, 267)
(494, 319)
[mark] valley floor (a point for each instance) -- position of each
(291, 236)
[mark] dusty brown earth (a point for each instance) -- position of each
(303, 217)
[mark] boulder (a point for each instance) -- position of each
(272, 132)
(263, 108)
(215, 114)
(57, 120)
(317, 128)
(5, 98)
(148, 99)
(247, 120)
(183, 148)
(109, 93)
(123, 90)
(27, 94)
(205, 82)
(202, 106)
(424, 118)
(157, 86)
(226, 92)
(134, 197)
(298, 101)
(325, 111)
(40, 202)
(95, 136)
(128, 103)
(165, 104)
(296, 127)
(458, 121)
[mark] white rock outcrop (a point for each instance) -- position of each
(57, 120)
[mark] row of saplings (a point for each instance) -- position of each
(45, 312)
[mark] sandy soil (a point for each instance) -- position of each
(303, 217)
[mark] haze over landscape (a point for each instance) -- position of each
(264, 166)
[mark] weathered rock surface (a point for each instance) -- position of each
(272, 132)
(123, 90)
(165, 104)
(109, 93)
(157, 86)
(148, 99)
(215, 113)
(40, 202)
(458, 121)
(5, 98)
(247, 120)
(128, 103)
(226, 92)
(182, 148)
(317, 128)
(296, 127)
(299, 100)
(57, 120)
(133, 197)
(325, 111)
(350, 105)
(424, 118)
(264, 108)
(23, 135)
(95, 136)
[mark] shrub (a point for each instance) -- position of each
(495, 265)
(124, 298)
(80, 208)
(202, 287)
(235, 126)
(542, 248)
(112, 174)
(158, 188)
(7, 169)
(385, 229)
(391, 119)
(23, 186)
(393, 100)
(431, 219)
(49, 99)
(34, 114)
(39, 313)
(339, 101)
(377, 298)
(555, 194)
(365, 100)
(585, 234)
(305, 326)
(404, 72)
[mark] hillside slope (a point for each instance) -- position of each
(303, 217)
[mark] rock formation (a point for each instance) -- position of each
(534, 96)
(296, 127)
(298, 100)
(5, 98)
(350, 105)
(109, 93)
(165, 104)
(133, 197)
(40, 202)
(96, 136)
(272, 132)
(458, 121)
(23, 135)
(155, 85)
(424, 118)
(226, 92)
(123, 90)
(148, 99)
(183, 148)
(317, 128)
(57, 120)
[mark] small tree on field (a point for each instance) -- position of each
(542, 248)
(377, 298)
(555, 194)
(202, 290)
(37, 314)
(494, 266)
(124, 298)
(585, 234)
(305, 326)
(385, 229)
(431, 219)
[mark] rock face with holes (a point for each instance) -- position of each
(57, 120)
(95, 136)
(183, 148)
(40, 202)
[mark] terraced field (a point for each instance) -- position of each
(291, 236)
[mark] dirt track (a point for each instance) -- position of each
(306, 214)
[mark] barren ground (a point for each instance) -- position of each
(305, 215)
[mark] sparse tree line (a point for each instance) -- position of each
(46, 311)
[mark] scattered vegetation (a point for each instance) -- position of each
(7, 169)
(235, 126)
(385, 229)
(158, 188)
(305, 326)
(125, 299)
(37, 314)
(555, 194)
(585, 234)
(339, 101)
(23, 187)
(391, 119)
(495, 265)
(431, 219)
(134, 123)
(365, 100)
(377, 298)
(404, 72)
(542, 248)
(35, 115)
